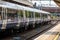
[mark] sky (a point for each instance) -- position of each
(46, 3)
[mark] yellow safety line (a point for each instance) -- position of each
(56, 37)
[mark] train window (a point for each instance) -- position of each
(20, 13)
(44, 15)
(12, 14)
(37, 15)
(29, 14)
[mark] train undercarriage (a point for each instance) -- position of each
(22, 28)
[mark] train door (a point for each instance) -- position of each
(31, 16)
(42, 17)
(4, 17)
(34, 19)
(24, 13)
(1, 20)
(30, 13)
(20, 18)
(37, 16)
(27, 19)
(48, 16)
(45, 17)
(12, 18)
(39, 19)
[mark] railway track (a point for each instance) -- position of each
(32, 33)
(43, 31)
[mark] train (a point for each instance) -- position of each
(14, 16)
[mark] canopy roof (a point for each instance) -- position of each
(45, 3)
(51, 9)
(19, 7)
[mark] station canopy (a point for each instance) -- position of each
(45, 3)
(51, 9)
(19, 7)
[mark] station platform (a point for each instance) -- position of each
(52, 34)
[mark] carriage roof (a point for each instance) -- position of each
(20, 7)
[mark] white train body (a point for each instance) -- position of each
(17, 16)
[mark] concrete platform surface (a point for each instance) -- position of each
(50, 34)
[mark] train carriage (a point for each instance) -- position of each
(13, 16)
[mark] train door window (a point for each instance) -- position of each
(45, 15)
(20, 14)
(26, 14)
(42, 15)
(32, 14)
(49, 16)
(38, 15)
